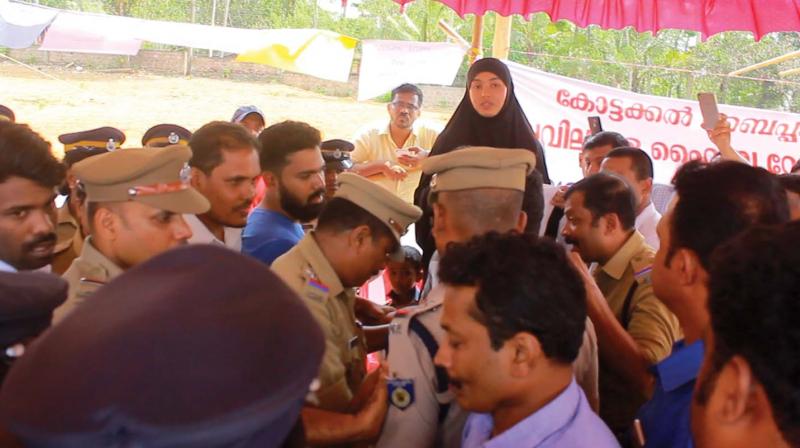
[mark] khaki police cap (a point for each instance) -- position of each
(380, 202)
(158, 177)
(480, 167)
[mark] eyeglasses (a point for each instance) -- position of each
(404, 105)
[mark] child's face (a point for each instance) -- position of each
(402, 275)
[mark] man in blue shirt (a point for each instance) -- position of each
(515, 303)
(293, 170)
(712, 204)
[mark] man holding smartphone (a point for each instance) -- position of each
(390, 155)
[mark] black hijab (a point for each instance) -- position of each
(508, 129)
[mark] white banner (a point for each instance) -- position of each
(385, 64)
(667, 129)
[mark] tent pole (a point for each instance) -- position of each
(767, 63)
(502, 36)
(477, 39)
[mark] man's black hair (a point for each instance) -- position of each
(719, 200)
(209, 141)
(640, 161)
(408, 88)
(282, 139)
(25, 154)
(753, 301)
(605, 138)
(604, 194)
(525, 284)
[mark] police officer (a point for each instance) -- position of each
(135, 198)
(635, 329)
(474, 191)
(166, 134)
(159, 360)
(70, 232)
(355, 233)
(336, 153)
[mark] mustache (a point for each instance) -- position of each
(571, 241)
(42, 239)
(242, 206)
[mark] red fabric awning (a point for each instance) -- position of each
(706, 16)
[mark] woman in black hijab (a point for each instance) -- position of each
(488, 115)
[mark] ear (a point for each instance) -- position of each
(522, 222)
(526, 353)
(389, 106)
(737, 391)
(647, 188)
(609, 223)
(359, 237)
(439, 217)
(198, 177)
(105, 224)
(270, 179)
(687, 266)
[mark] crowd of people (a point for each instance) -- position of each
(208, 288)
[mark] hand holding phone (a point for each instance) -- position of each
(595, 126)
(708, 106)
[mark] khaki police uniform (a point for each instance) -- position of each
(69, 240)
(78, 146)
(625, 283)
(85, 275)
(422, 412)
(306, 270)
(158, 177)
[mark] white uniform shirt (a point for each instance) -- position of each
(646, 223)
(201, 234)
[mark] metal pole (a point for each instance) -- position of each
(213, 21)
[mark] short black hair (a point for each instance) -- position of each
(25, 154)
(525, 284)
(408, 88)
(412, 257)
(796, 167)
(641, 162)
(209, 141)
(719, 200)
(790, 182)
(340, 215)
(754, 283)
(605, 193)
(605, 138)
(283, 139)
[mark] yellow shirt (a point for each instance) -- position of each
(649, 322)
(375, 143)
(308, 273)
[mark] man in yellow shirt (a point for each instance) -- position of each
(391, 155)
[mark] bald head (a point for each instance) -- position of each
(461, 215)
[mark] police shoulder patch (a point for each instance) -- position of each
(401, 393)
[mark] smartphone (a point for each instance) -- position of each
(708, 106)
(595, 126)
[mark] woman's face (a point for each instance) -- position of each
(487, 93)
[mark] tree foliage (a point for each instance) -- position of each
(620, 58)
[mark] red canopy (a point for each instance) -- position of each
(706, 16)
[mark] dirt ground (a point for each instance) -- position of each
(133, 102)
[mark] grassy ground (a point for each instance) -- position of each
(133, 102)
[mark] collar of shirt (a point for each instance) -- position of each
(616, 266)
(319, 264)
(681, 366)
(282, 220)
(201, 234)
(648, 213)
(90, 254)
(5, 267)
(533, 430)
